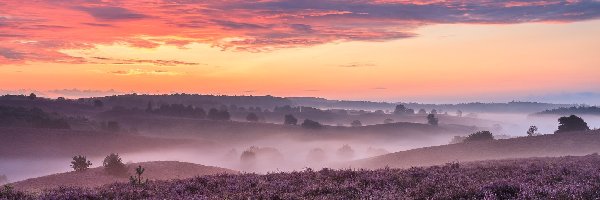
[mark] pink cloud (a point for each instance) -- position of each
(38, 30)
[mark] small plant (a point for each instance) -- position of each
(137, 179)
(80, 163)
(114, 166)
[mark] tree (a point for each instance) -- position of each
(571, 123)
(388, 121)
(149, 107)
(432, 120)
(310, 124)
(251, 117)
(434, 111)
(459, 113)
(80, 163)
(98, 103)
(479, 136)
(113, 126)
(532, 131)
(401, 109)
(32, 96)
(290, 120)
(356, 123)
(345, 152)
(113, 165)
(215, 114)
(422, 111)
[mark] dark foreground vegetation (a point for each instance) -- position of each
(533, 178)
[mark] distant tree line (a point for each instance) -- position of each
(590, 110)
(30, 117)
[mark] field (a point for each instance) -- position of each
(531, 178)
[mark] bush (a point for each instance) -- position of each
(345, 152)
(310, 124)
(356, 123)
(251, 117)
(114, 166)
(290, 120)
(137, 179)
(80, 163)
(571, 123)
(432, 120)
(479, 136)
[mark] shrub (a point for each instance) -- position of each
(432, 120)
(80, 163)
(290, 120)
(310, 124)
(113, 165)
(356, 123)
(248, 158)
(316, 155)
(479, 136)
(571, 123)
(251, 117)
(137, 179)
(345, 152)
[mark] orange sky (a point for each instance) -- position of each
(332, 50)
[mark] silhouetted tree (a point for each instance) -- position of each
(432, 120)
(215, 114)
(251, 117)
(401, 109)
(80, 163)
(356, 123)
(248, 158)
(422, 111)
(149, 107)
(113, 126)
(32, 96)
(310, 124)
(571, 123)
(479, 136)
(290, 120)
(388, 121)
(345, 152)
(532, 131)
(98, 103)
(113, 165)
(434, 111)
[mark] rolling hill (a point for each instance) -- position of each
(574, 143)
(95, 177)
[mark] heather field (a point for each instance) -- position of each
(532, 178)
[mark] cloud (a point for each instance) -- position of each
(40, 30)
(135, 72)
(103, 60)
(111, 13)
(357, 65)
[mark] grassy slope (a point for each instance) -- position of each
(156, 170)
(576, 143)
(533, 178)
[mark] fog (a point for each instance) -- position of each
(282, 151)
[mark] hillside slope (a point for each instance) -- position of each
(576, 143)
(156, 170)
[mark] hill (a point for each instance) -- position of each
(575, 143)
(95, 177)
(533, 178)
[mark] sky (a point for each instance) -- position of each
(382, 50)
